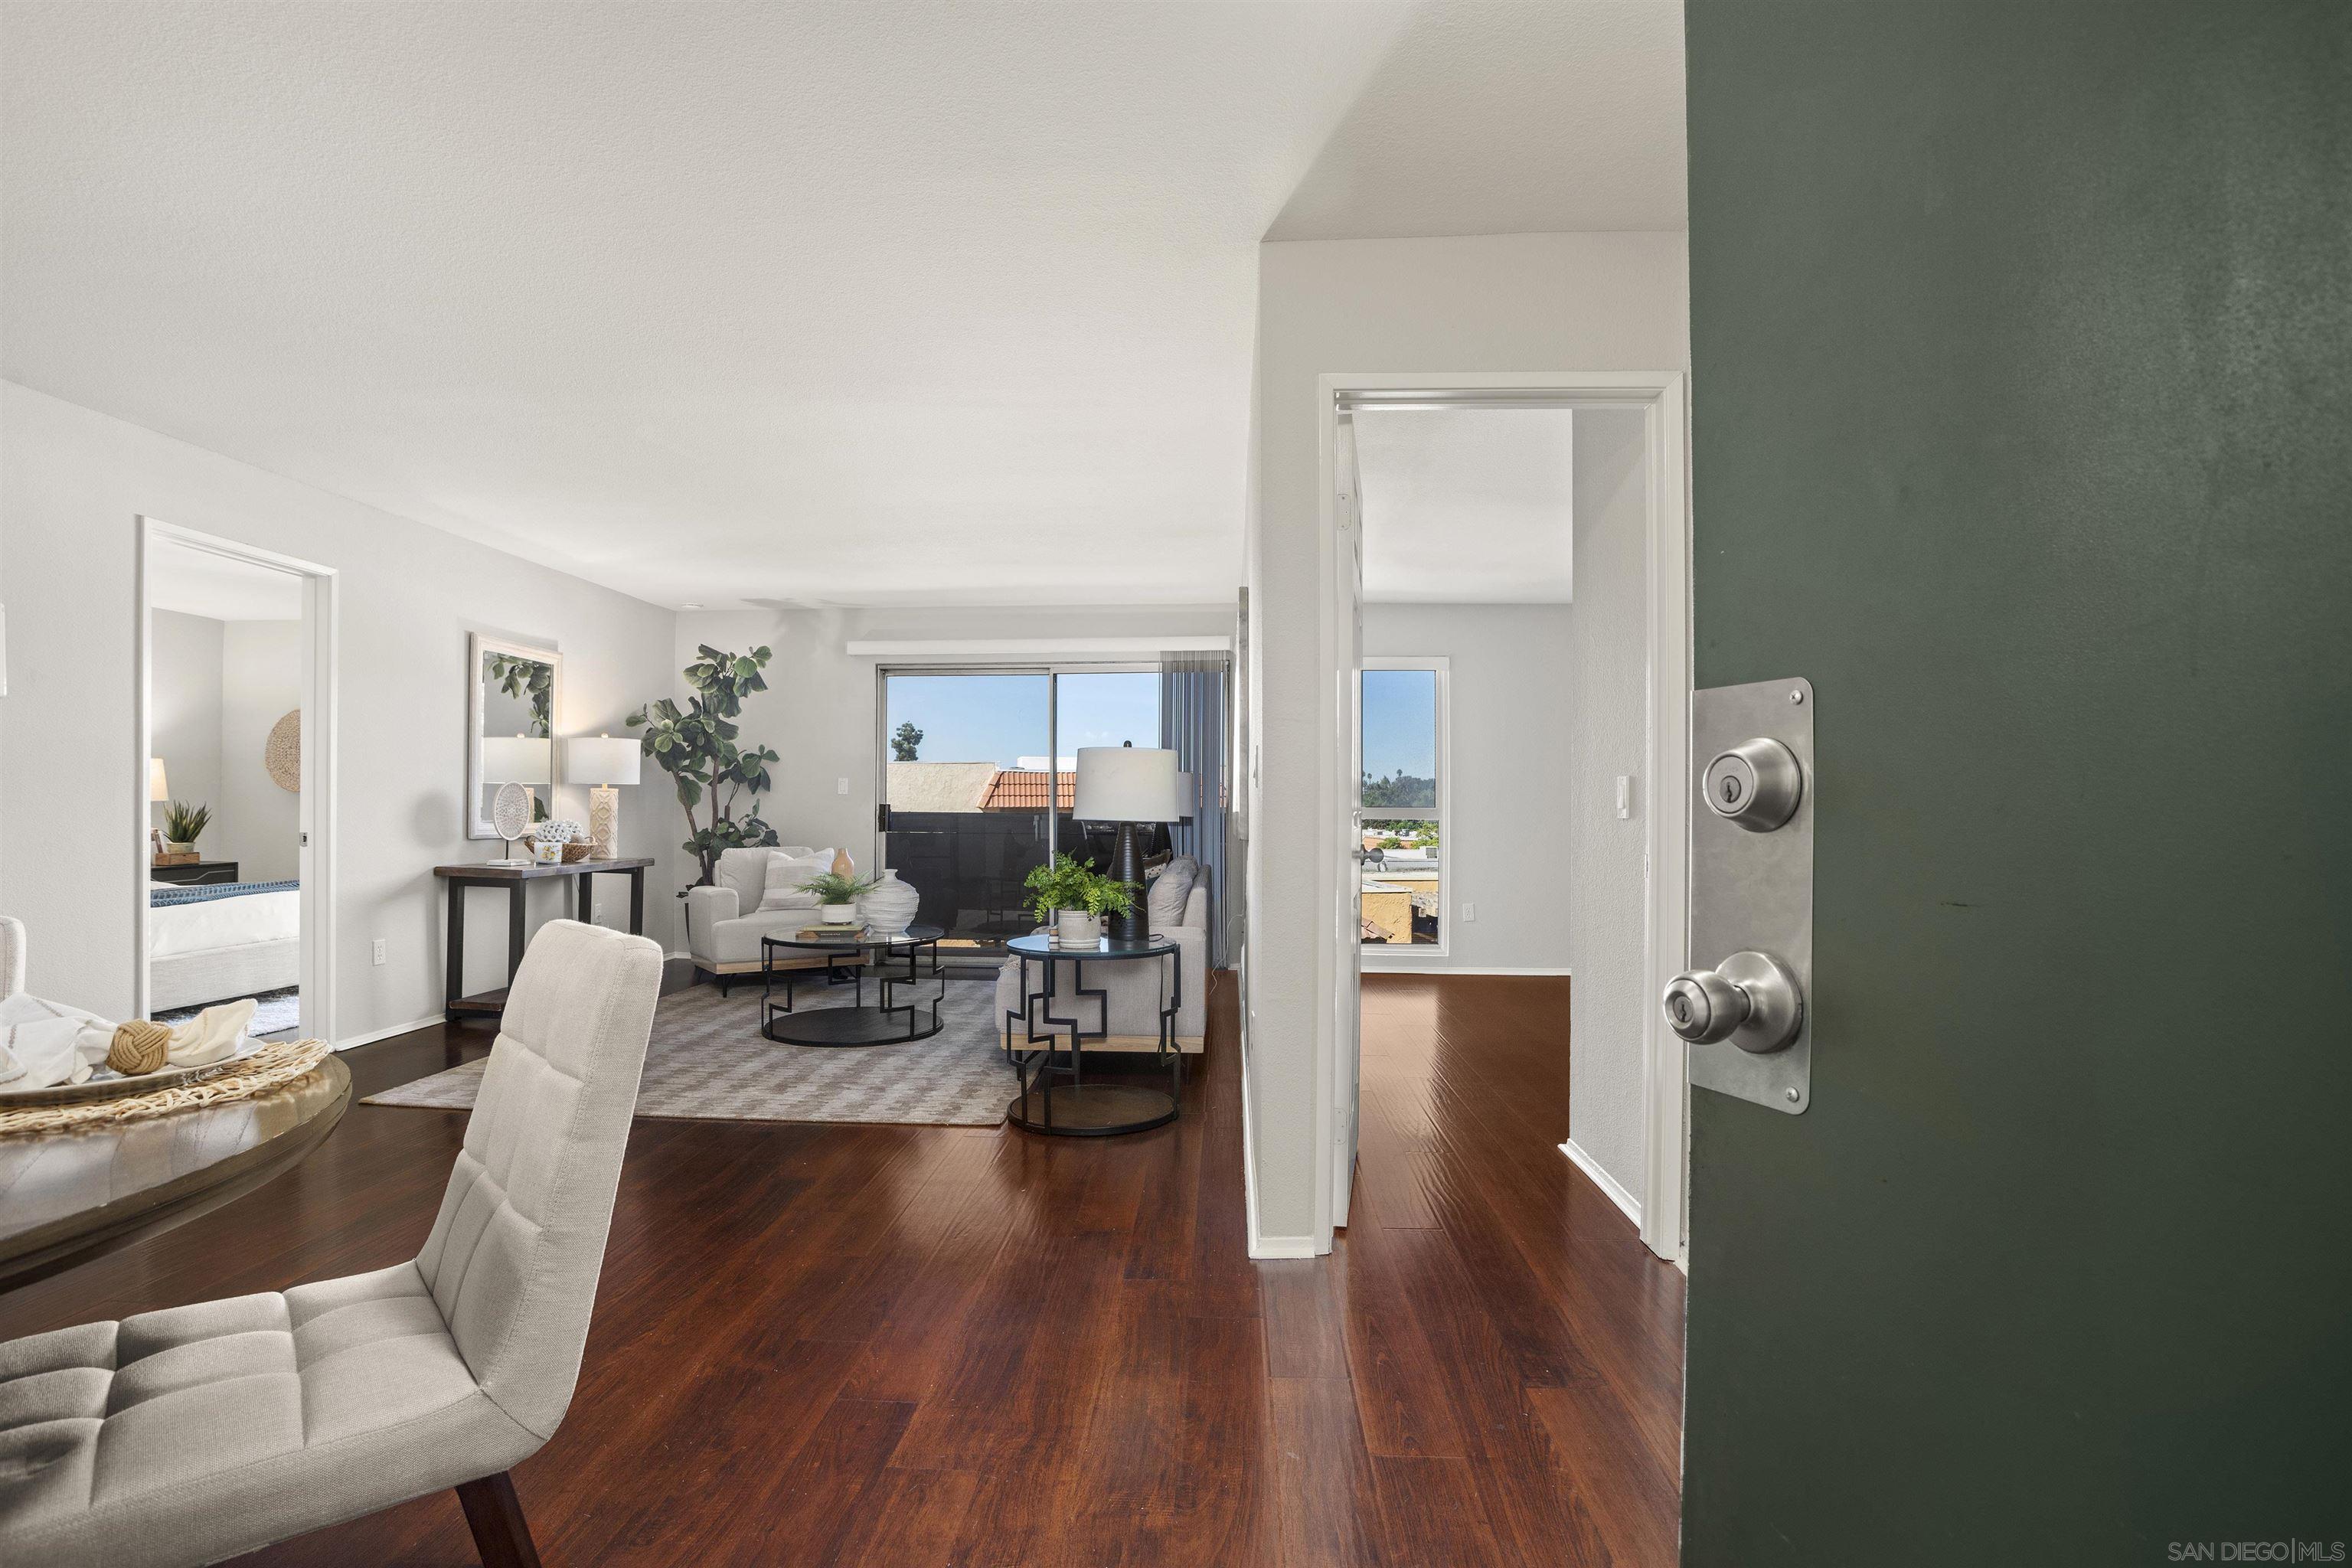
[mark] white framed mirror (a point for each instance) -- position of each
(514, 697)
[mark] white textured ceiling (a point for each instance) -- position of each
(1467, 506)
(930, 301)
(1509, 119)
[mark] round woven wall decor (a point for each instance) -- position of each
(281, 754)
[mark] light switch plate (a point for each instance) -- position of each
(1754, 891)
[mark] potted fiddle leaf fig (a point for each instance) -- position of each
(699, 747)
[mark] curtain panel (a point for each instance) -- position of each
(1192, 723)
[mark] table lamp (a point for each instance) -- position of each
(1127, 784)
(525, 760)
(602, 761)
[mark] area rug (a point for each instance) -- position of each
(274, 1011)
(707, 1059)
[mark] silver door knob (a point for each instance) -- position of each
(1751, 1000)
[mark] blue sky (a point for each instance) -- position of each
(1400, 722)
(999, 718)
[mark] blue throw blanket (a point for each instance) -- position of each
(205, 893)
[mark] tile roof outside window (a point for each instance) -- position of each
(1014, 789)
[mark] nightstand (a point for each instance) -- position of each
(196, 871)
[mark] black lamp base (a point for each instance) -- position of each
(1126, 865)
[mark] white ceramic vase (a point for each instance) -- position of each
(837, 914)
(1075, 928)
(888, 905)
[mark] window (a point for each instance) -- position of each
(1401, 803)
(978, 776)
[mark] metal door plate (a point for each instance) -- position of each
(1754, 890)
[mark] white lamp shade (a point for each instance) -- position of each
(600, 759)
(1127, 784)
(518, 759)
(156, 788)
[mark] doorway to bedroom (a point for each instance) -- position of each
(237, 656)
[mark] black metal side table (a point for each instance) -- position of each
(889, 1022)
(1059, 1098)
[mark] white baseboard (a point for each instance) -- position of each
(1612, 1188)
(385, 1034)
(1282, 1247)
(1409, 968)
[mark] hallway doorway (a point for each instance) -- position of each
(1508, 594)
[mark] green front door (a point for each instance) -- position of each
(2022, 342)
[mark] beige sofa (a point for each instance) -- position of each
(1134, 991)
(724, 922)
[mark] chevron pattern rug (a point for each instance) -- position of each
(707, 1060)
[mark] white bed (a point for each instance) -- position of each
(222, 947)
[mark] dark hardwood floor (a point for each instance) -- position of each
(821, 1344)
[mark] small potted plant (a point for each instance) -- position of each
(1073, 900)
(837, 895)
(183, 825)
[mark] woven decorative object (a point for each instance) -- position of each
(281, 754)
(272, 1066)
(139, 1047)
(576, 851)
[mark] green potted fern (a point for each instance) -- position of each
(1073, 900)
(838, 896)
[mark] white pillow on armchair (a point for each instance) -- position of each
(786, 872)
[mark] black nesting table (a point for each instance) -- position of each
(1057, 1097)
(889, 1022)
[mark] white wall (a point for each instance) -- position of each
(184, 703)
(70, 490)
(1606, 691)
(260, 825)
(1506, 303)
(1507, 847)
(818, 710)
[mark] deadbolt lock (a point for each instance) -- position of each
(1752, 999)
(1756, 784)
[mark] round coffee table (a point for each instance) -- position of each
(889, 1022)
(1060, 1099)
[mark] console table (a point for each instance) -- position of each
(457, 1003)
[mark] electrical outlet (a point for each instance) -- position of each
(841, 786)
(376, 953)
(1469, 912)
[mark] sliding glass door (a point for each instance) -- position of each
(978, 775)
(967, 779)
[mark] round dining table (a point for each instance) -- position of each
(68, 1196)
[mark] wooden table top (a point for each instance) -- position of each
(525, 873)
(66, 1197)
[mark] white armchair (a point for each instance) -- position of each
(1133, 992)
(724, 922)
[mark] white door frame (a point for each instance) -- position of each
(319, 746)
(1663, 395)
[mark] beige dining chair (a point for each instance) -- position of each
(193, 1434)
